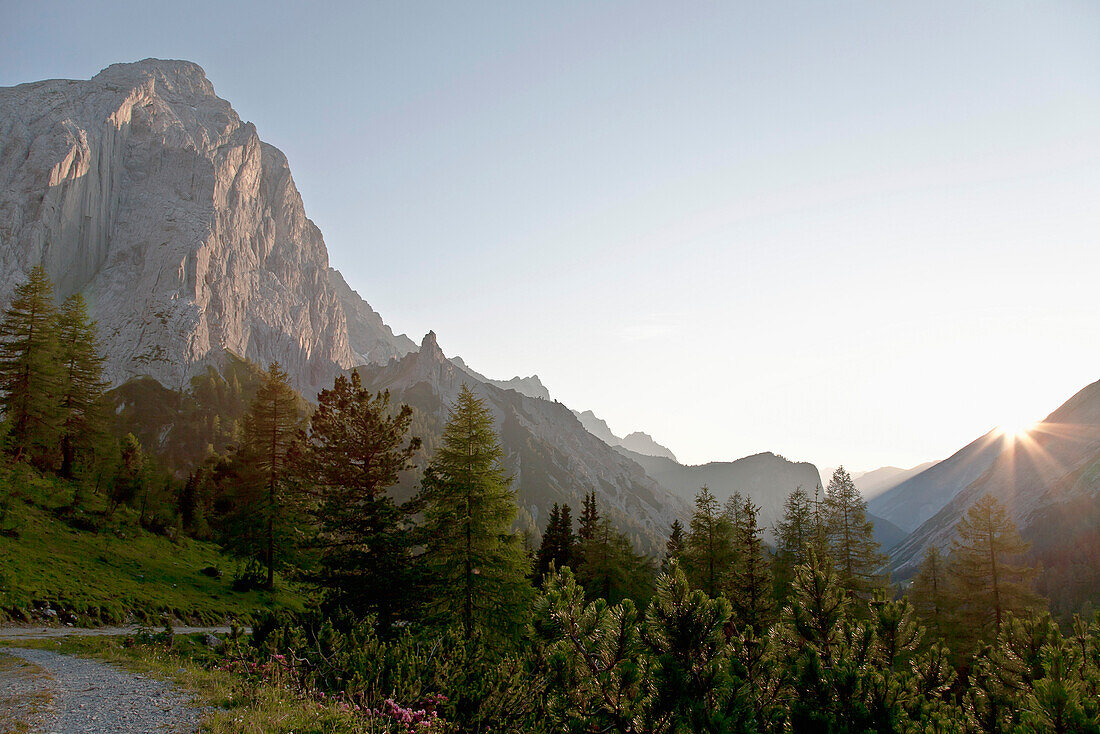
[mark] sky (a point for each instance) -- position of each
(856, 233)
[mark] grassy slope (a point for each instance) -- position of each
(112, 573)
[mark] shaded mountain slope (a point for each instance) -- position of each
(548, 452)
(915, 500)
(765, 478)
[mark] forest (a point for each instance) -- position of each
(435, 614)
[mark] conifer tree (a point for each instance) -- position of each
(793, 538)
(609, 567)
(272, 426)
(674, 546)
(734, 507)
(929, 593)
(358, 447)
(986, 581)
(29, 369)
(476, 565)
(709, 549)
(81, 383)
(590, 518)
(851, 540)
(557, 541)
(749, 585)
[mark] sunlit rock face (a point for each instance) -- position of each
(145, 191)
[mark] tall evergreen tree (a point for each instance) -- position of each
(851, 540)
(590, 518)
(929, 592)
(794, 535)
(749, 585)
(557, 541)
(358, 447)
(476, 564)
(986, 580)
(610, 568)
(271, 427)
(674, 546)
(709, 552)
(81, 383)
(29, 369)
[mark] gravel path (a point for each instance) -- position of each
(89, 697)
(44, 633)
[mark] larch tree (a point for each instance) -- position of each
(987, 580)
(709, 550)
(272, 426)
(929, 593)
(749, 584)
(81, 384)
(674, 546)
(850, 535)
(476, 566)
(358, 447)
(29, 369)
(794, 535)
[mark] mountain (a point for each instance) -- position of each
(531, 386)
(643, 443)
(548, 452)
(1048, 479)
(637, 442)
(145, 191)
(877, 481)
(886, 533)
(765, 478)
(918, 498)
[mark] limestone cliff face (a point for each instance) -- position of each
(145, 191)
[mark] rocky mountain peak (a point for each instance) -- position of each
(143, 190)
(429, 348)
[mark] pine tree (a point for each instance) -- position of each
(272, 426)
(674, 547)
(709, 553)
(358, 447)
(851, 540)
(29, 369)
(749, 585)
(476, 565)
(986, 585)
(81, 383)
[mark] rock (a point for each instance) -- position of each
(145, 191)
(211, 641)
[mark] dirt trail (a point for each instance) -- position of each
(45, 633)
(64, 694)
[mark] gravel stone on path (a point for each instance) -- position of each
(90, 697)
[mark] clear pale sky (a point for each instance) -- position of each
(847, 232)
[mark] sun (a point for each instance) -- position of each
(1016, 427)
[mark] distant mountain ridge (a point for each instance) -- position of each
(877, 481)
(767, 479)
(638, 442)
